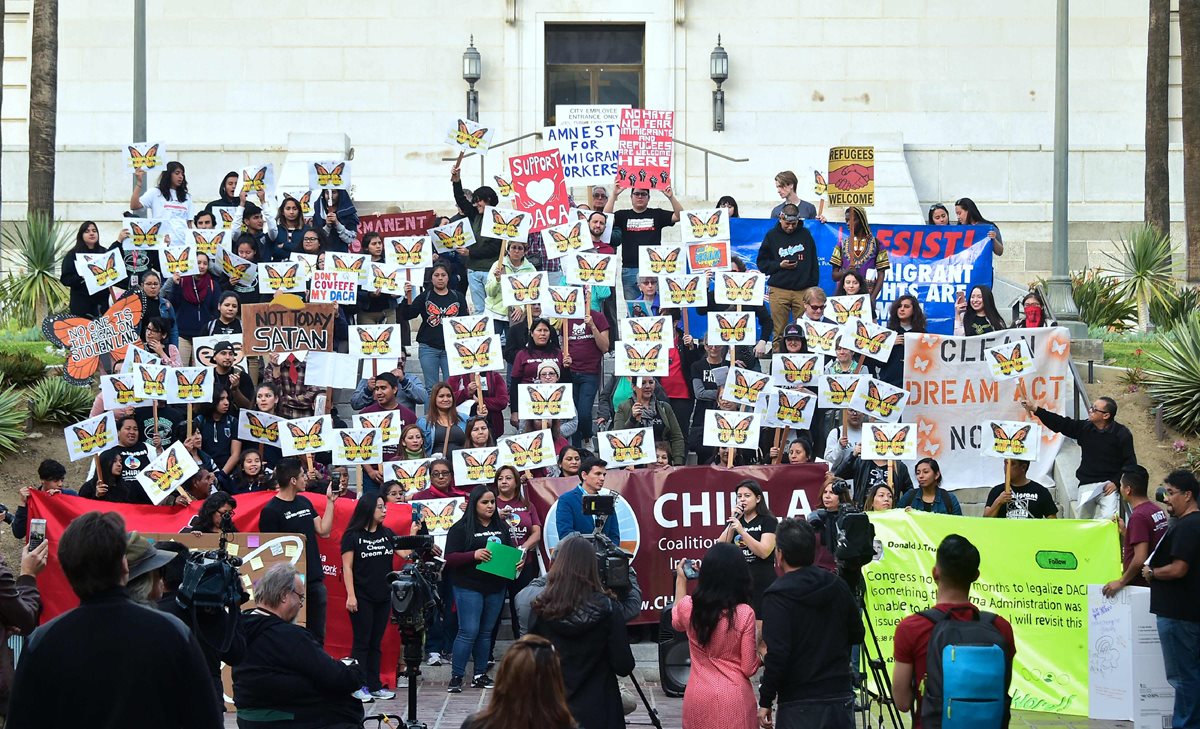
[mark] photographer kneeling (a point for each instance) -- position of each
(287, 679)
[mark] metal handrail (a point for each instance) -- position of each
(497, 145)
(1080, 386)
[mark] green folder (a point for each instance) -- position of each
(503, 562)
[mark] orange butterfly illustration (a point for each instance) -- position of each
(302, 440)
(627, 452)
(361, 450)
(190, 389)
(682, 294)
(480, 357)
(147, 161)
(264, 432)
(105, 275)
(663, 264)
(702, 229)
(96, 440)
(169, 475)
(178, 264)
(564, 303)
(523, 456)
(480, 470)
(381, 344)
(471, 139)
(894, 445)
(326, 178)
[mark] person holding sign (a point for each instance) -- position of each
(87, 240)
(486, 250)
(195, 299)
(170, 199)
(788, 256)
(478, 594)
(335, 214)
(980, 317)
(493, 303)
(290, 227)
(645, 410)
(1024, 499)
(640, 226)
(785, 185)
(867, 474)
(860, 252)
(968, 213)
(133, 454)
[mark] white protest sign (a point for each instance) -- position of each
(90, 437)
(170, 469)
(332, 287)
(628, 447)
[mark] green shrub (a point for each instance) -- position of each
(1174, 382)
(1101, 301)
(13, 414)
(1175, 309)
(21, 369)
(54, 400)
(32, 255)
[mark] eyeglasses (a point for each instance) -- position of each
(641, 194)
(1096, 410)
(815, 307)
(298, 594)
(1171, 492)
(440, 474)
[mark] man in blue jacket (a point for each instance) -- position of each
(570, 518)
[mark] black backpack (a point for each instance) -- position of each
(967, 673)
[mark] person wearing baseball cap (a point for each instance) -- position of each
(793, 340)
(231, 378)
(788, 256)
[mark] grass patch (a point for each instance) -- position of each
(1125, 354)
(37, 349)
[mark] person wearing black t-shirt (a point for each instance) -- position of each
(289, 512)
(1024, 500)
(367, 550)
(1174, 577)
(134, 455)
(640, 226)
(751, 528)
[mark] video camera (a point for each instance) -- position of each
(612, 561)
(212, 589)
(413, 586)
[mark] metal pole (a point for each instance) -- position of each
(1058, 290)
(139, 71)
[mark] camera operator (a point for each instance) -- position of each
(835, 495)
(287, 680)
(570, 518)
(810, 621)
(367, 550)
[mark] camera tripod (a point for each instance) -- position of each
(877, 665)
(413, 639)
(645, 702)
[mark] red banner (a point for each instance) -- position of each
(541, 188)
(644, 148)
(389, 224)
(675, 513)
(59, 511)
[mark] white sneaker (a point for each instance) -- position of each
(363, 695)
(384, 694)
(435, 658)
(401, 682)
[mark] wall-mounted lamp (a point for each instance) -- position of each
(472, 71)
(718, 68)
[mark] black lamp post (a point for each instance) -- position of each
(472, 71)
(718, 65)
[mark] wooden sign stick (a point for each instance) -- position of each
(408, 278)
(99, 473)
(478, 392)
(528, 315)
(154, 414)
(778, 439)
(890, 488)
(566, 348)
(189, 417)
(1007, 476)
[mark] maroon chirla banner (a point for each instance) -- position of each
(674, 513)
(390, 224)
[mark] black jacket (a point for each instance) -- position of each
(210, 631)
(1105, 453)
(810, 621)
(137, 668)
(82, 303)
(286, 671)
(776, 246)
(594, 649)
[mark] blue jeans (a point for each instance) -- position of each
(477, 614)
(1181, 657)
(629, 277)
(586, 387)
(441, 623)
(435, 365)
(475, 282)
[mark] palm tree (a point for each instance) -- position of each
(33, 254)
(43, 106)
(1158, 177)
(1189, 61)
(1143, 263)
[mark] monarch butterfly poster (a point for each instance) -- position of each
(180, 260)
(190, 385)
(439, 515)
(590, 269)
(330, 175)
(546, 401)
(821, 336)
(540, 189)
(731, 429)
(150, 381)
(869, 339)
(145, 234)
(306, 435)
(641, 360)
(560, 240)
(462, 328)
(170, 469)
(628, 447)
(879, 401)
(478, 354)
(734, 288)
(645, 146)
(567, 301)
(609, 219)
(469, 137)
(412, 475)
(303, 198)
(795, 370)
(259, 427)
(242, 273)
(745, 387)
(1011, 439)
(375, 340)
(889, 441)
(208, 241)
(475, 465)
(704, 225)
(116, 391)
(1010, 361)
(682, 290)
(452, 237)
(283, 277)
(527, 450)
(408, 251)
(135, 355)
(842, 309)
(388, 279)
(357, 446)
(505, 224)
(354, 263)
(662, 260)
(256, 179)
(788, 408)
(228, 218)
(90, 437)
(524, 289)
(389, 423)
(643, 329)
(732, 328)
(101, 270)
(836, 391)
(149, 156)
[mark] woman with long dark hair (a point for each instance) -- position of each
(937, 215)
(367, 550)
(212, 511)
(978, 314)
(158, 305)
(195, 298)
(720, 627)
(543, 346)
(751, 528)
(169, 199)
(860, 252)
(525, 525)
(905, 316)
(968, 214)
(930, 496)
(727, 202)
(432, 304)
(478, 595)
(584, 622)
(529, 690)
(87, 240)
(443, 425)
(290, 226)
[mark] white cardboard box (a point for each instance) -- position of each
(1126, 678)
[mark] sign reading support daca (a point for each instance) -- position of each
(1034, 573)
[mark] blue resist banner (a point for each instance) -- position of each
(932, 263)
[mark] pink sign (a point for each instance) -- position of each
(644, 148)
(540, 188)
